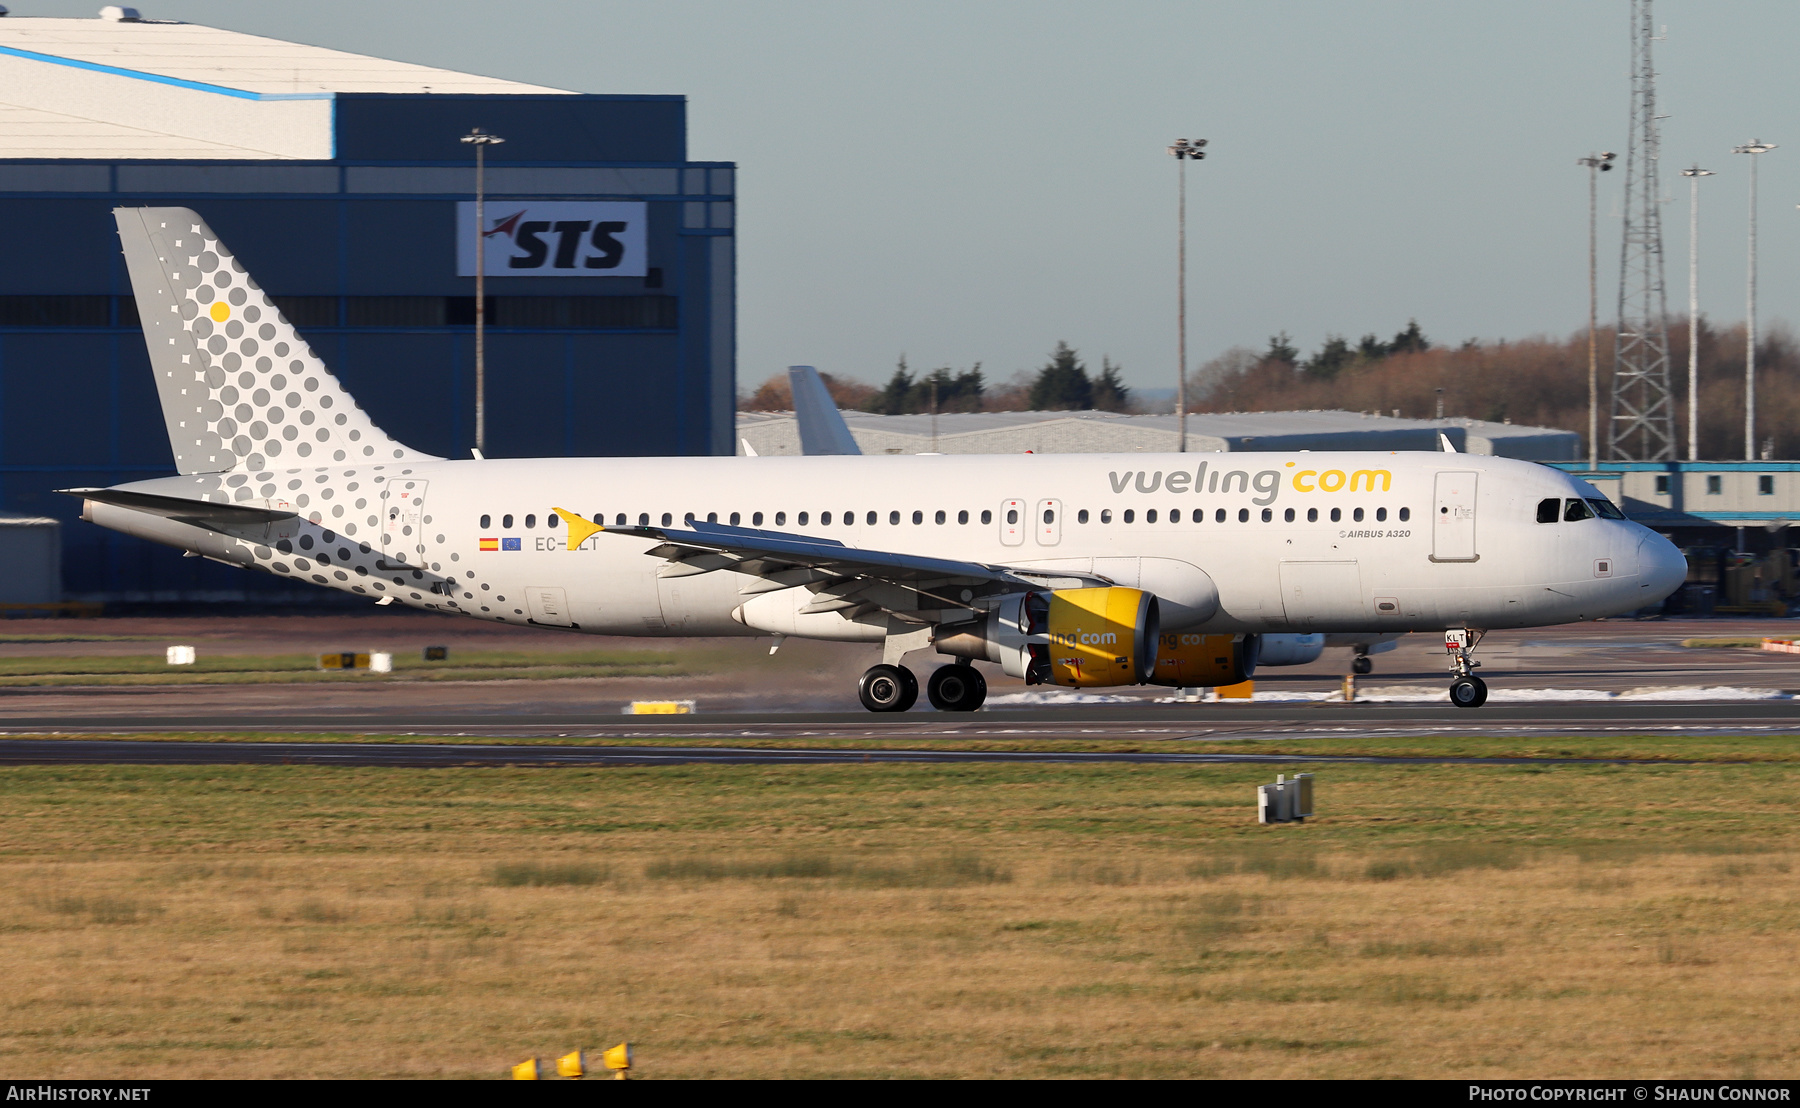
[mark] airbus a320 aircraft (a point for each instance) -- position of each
(1073, 570)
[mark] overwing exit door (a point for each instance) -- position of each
(1453, 518)
(1012, 522)
(1048, 522)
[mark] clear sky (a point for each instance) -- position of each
(974, 180)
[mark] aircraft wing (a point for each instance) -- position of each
(842, 576)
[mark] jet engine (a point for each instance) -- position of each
(1205, 661)
(1079, 638)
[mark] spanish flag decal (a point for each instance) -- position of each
(580, 530)
(490, 544)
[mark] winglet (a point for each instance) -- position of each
(749, 451)
(580, 528)
(822, 426)
(1444, 440)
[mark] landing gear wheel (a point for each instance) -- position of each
(1362, 664)
(1468, 692)
(886, 688)
(956, 688)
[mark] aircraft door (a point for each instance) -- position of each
(402, 526)
(549, 604)
(1012, 522)
(1048, 521)
(1453, 518)
(1323, 594)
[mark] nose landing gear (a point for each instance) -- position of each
(1362, 663)
(886, 688)
(1466, 689)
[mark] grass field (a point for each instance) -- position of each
(876, 920)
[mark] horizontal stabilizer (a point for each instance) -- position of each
(199, 513)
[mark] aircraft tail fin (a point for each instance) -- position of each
(822, 426)
(240, 389)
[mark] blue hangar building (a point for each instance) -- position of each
(341, 184)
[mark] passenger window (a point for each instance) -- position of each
(919, 517)
(756, 519)
(1081, 516)
(1381, 515)
(485, 522)
(1549, 510)
(551, 521)
(687, 517)
(1219, 516)
(1106, 515)
(781, 519)
(735, 518)
(824, 519)
(987, 516)
(1337, 515)
(1243, 515)
(849, 519)
(667, 519)
(1012, 515)
(1312, 515)
(1049, 516)
(1128, 516)
(1605, 508)
(1356, 516)
(506, 522)
(1268, 515)
(962, 516)
(712, 517)
(643, 519)
(871, 518)
(531, 521)
(800, 519)
(1150, 516)
(940, 517)
(1288, 516)
(1405, 514)
(894, 519)
(1576, 509)
(1175, 515)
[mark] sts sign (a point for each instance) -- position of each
(558, 239)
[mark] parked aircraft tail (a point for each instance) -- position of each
(240, 389)
(822, 426)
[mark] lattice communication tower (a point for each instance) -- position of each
(1642, 426)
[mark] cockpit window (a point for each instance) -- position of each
(1577, 509)
(1606, 508)
(1549, 511)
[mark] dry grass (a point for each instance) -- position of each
(242, 669)
(899, 920)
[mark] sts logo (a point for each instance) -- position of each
(555, 239)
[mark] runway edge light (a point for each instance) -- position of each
(571, 1064)
(618, 1059)
(526, 1070)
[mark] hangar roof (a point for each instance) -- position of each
(106, 89)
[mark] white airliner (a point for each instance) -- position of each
(1074, 570)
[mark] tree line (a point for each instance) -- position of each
(1063, 383)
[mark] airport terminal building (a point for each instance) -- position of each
(341, 183)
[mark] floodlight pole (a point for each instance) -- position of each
(1755, 146)
(1596, 163)
(1693, 174)
(1183, 151)
(480, 140)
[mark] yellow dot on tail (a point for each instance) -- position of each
(221, 311)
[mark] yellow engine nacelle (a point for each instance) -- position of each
(1204, 661)
(1074, 637)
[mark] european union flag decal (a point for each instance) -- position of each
(510, 544)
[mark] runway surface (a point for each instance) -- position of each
(435, 755)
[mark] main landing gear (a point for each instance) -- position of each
(953, 688)
(1466, 689)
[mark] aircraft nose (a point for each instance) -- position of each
(1661, 568)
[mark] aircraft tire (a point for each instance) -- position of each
(1468, 692)
(956, 688)
(1362, 664)
(886, 688)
